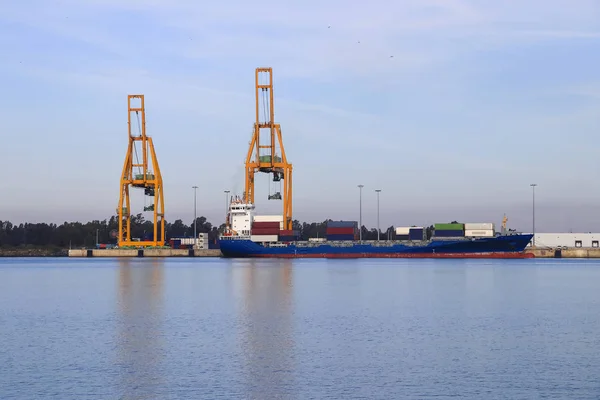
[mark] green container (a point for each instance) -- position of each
(449, 227)
(139, 177)
(267, 159)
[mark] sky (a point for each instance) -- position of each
(451, 107)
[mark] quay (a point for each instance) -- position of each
(144, 253)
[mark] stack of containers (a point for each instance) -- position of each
(342, 230)
(479, 229)
(288, 236)
(265, 231)
(416, 233)
(402, 233)
(449, 230)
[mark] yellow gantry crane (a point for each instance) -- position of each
(268, 155)
(139, 174)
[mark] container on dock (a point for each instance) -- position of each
(342, 224)
(416, 233)
(340, 237)
(449, 233)
(264, 238)
(479, 233)
(449, 227)
(341, 231)
(479, 226)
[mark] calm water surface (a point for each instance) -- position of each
(301, 329)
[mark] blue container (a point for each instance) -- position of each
(342, 224)
(340, 237)
(415, 234)
(288, 238)
(444, 233)
(402, 237)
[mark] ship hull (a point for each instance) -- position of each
(501, 247)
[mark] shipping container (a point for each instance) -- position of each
(268, 218)
(449, 227)
(448, 233)
(288, 238)
(266, 224)
(341, 231)
(288, 233)
(402, 237)
(416, 234)
(340, 237)
(479, 233)
(264, 238)
(342, 224)
(479, 226)
(266, 159)
(402, 230)
(264, 231)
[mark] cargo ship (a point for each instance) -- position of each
(248, 235)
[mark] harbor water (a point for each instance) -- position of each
(202, 328)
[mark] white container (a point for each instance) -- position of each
(316, 240)
(268, 218)
(479, 233)
(264, 238)
(402, 231)
(479, 226)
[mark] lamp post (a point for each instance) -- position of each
(533, 185)
(195, 234)
(360, 213)
(378, 191)
(226, 203)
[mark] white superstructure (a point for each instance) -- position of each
(240, 217)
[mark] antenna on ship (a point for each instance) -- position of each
(263, 155)
(138, 174)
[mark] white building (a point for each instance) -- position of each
(554, 240)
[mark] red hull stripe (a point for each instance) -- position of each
(399, 255)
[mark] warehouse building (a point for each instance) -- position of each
(570, 240)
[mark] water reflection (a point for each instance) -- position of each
(266, 327)
(139, 324)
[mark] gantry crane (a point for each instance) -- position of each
(268, 155)
(138, 174)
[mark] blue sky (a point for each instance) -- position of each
(479, 100)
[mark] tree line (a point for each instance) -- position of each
(78, 234)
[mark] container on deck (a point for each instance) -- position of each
(341, 231)
(416, 234)
(342, 224)
(449, 227)
(264, 238)
(340, 237)
(449, 233)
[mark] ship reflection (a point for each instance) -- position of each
(139, 326)
(266, 327)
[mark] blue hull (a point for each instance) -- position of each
(509, 246)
